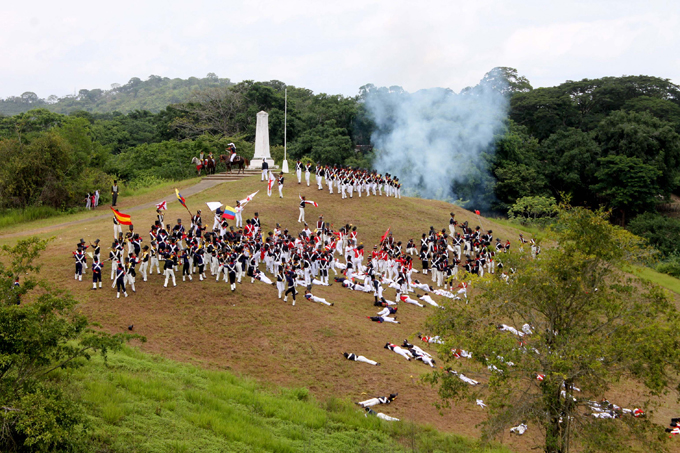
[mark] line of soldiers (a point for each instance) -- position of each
(348, 181)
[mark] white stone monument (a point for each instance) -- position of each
(262, 143)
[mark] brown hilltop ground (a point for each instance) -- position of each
(254, 333)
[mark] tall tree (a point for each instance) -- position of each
(40, 331)
(591, 326)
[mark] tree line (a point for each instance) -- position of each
(612, 142)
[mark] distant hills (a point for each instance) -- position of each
(153, 94)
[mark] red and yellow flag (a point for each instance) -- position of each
(123, 219)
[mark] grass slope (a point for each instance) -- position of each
(252, 333)
(136, 402)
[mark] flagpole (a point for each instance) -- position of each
(284, 167)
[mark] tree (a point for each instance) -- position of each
(592, 326)
(506, 81)
(662, 232)
(325, 143)
(568, 161)
(213, 111)
(533, 209)
(642, 136)
(40, 331)
(627, 184)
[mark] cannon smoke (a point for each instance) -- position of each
(436, 141)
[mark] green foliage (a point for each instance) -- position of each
(153, 94)
(171, 160)
(610, 141)
(584, 104)
(40, 331)
(642, 136)
(670, 266)
(138, 402)
(48, 170)
(662, 233)
(325, 143)
(11, 217)
(592, 326)
(627, 183)
(534, 210)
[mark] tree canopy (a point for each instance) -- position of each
(588, 326)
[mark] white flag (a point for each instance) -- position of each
(213, 205)
(248, 198)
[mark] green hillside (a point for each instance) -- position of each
(144, 403)
(153, 94)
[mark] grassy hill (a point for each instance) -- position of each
(137, 402)
(153, 94)
(252, 333)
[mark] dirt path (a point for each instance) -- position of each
(196, 188)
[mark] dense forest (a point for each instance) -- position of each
(612, 142)
(153, 94)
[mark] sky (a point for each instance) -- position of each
(332, 47)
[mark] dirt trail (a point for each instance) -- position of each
(196, 188)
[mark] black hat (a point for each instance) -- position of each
(96, 241)
(82, 241)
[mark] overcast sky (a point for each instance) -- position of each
(333, 47)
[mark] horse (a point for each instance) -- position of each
(238, 161)
(210, 166)
(199, 165)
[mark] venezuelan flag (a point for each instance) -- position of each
(229, 213)
(123, 219)
(181, 198)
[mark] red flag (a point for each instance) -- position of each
(123, 219)
(313, 203)
(270, 184)
(384, 236)
(477, 212)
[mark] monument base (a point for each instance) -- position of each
(256, 164)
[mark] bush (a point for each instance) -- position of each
(662, 233)
(670, 266)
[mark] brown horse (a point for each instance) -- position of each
(210, 166)
(238, 161)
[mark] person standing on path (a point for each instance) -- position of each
(114, 193)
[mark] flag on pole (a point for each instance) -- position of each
(384, 236)
(313, 203)
(270, 184)
(181, 198)
(123, 219)
(229, 213)
(248, 198)
(477, 212)
(214, 205)
(162, 205)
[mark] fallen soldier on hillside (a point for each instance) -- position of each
(359, 358)
(378, 400)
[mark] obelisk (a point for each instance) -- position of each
(262, 143)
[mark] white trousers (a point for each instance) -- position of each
(169, 273)
(361, 358)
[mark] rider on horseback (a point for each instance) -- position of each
(232, 149)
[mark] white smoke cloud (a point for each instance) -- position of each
(435, 140)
